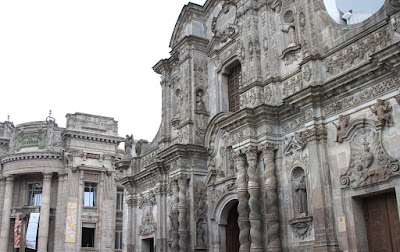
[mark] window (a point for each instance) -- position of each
(88, 230)
(35, 194)
(118, 237)
(234, 82)
(120, 202)
(89, 196)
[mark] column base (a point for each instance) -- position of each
(327, 248)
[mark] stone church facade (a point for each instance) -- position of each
(280, 131)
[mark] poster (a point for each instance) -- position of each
(70, 229)
(31, 233)
(17, 231)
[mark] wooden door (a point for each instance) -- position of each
(232, 231)
(382, 219)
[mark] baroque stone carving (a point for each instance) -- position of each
(381, 109)
(362, 96)
(128, 144)
(395, 3)
(369, 162)
(300, 192)
(297, 142)
(224, 24)
(200, 206)
(301, 227)
(148, 225)
(289, 27)
(355, 53)
(397, 98)
(342, 125)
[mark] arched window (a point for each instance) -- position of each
(234, 82)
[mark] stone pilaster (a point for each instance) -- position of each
(5, 223)
(174, 216)
(321, 191)
(44, 220)
(183, 207)
(131, 202)
(254, 200)
(271, 198)
(243, 198)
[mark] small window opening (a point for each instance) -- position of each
(234, 83)
(88, 237)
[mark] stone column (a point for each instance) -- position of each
(271, 198)
(243, 198)
(174, 216)
(2, 188)
(5, 223)
(60, 218)
(397, 188)
(254, 200)
(182, 207)
(44, 219)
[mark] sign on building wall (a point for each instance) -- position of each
(17, 231)
(31, 233)
(70, 229)
(31, 139)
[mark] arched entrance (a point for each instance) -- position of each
(232, 230)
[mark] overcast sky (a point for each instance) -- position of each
(90, 56)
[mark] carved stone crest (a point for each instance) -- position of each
(301, 227)
(369, 162)
(224, 24)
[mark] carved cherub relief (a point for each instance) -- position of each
(342, 125)
(382, 109)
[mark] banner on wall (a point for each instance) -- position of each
(17, 231)
(31, 232)
(70, 229)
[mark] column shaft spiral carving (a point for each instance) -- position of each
(174, 216)
(243, 206)
(271, 201)
(254, 201)
(183, 230)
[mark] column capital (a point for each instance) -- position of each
(268, 149)
(251, 152)
(10, 179)
(47, 176)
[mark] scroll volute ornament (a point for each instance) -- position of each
(369, 162)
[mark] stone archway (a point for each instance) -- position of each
(232, 230)
(224, 216)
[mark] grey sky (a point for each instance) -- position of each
(363, 6)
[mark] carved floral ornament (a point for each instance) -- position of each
(369, 162)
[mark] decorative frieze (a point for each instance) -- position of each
(362, 96)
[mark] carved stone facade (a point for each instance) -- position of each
(294, 169)
(317, 128)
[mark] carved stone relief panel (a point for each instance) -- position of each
(146, 203)
(369, 162)
(200, 206)
(355, 53)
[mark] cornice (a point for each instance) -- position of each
(92, 136)
(31, 156)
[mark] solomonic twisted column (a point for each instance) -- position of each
(254, 201)
(174, 216)
(183, 230)
(243, 206)
(271, 202)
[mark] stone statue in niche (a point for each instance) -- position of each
(128, 144)
(381, 109)
(179, 101)
(300, 193)
(301, 190)
(200, 107)
(200, 233)
(290, 28)
(342, 125)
